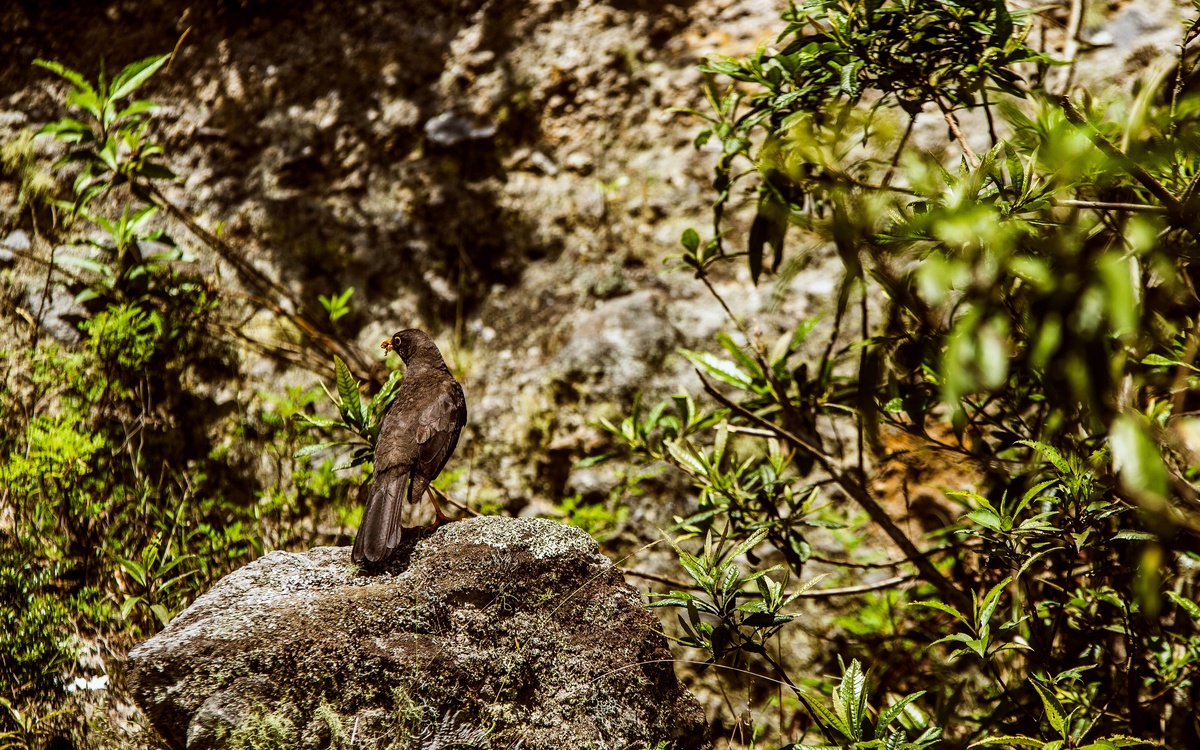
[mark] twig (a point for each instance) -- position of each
(660, 579)
(443, 496)
(37, 259)
(1109, 206)
(889, 563)
(37, 329)
(952, 121)
(852, 590)
(269, 290)
(887, 177)
(1071, 44)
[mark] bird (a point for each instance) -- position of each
(418, 434)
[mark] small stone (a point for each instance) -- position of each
(18, 240)
(543, 163)
(579, 162)
(448, 130)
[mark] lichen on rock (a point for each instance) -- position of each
(503, 630)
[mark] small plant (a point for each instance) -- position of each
(126, 273)
(112, 147)
(337, 306)
(262, 730)
(848, 725)
(32, 728)
(361, 419)
(725, 619)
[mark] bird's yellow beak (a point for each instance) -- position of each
(386, 346)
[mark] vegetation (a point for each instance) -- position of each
(131, 488)
(1036, 323)
(1025, 308)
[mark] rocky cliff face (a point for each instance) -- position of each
(510, 171)
(491, 633)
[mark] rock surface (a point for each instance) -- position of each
(495, 632)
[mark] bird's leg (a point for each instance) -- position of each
(441, 516)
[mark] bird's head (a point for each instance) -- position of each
(407, 342)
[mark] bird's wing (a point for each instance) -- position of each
(437, 430)
(380, 530)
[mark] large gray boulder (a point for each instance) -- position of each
(494, 633)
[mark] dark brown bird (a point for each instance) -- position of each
(419, 432)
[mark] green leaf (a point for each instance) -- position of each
(802, 332)
(128, 605)
(1189, 606)
(747, 544)
(155, 171)
(135, 570)
(137, 108)
(652, 419)
(1157, 360)
(1134, 536)
(759, 230)
(161, 613)
(383, 398)
(86, 264)
(988, 605)
(1137, 459)
(309, 450)
(744, 359)
(1054, 710)
(721, 369)
(134, 75)
(690, 240)
(687, 456)
(1010, 740)
(1050, 454)
(694, 567)
(584, 463)
(1121, 740)
(351, 404)
(942, 608)
(323, 422)
(891, 712)
(823, 715)
(986, 518)
(61, 70)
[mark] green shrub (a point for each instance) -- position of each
(1037, 325)
(127, 488)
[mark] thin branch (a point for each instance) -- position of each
(987, 111)
(887, 177)
(854, 590)
(1108, 206)
(37, 328)
(952, 121)
(681, 585)
(443, 496)
(270, 290)
(1173, 207)
(890, 563)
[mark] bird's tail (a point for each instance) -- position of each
(380, 530)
